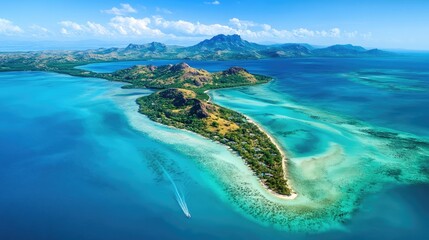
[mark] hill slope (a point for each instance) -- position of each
(181, 75)
(181, 108)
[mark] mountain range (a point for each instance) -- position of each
(224, 47)
(219, 47)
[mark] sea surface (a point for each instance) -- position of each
(78, 161)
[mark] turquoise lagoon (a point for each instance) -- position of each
(78, 161)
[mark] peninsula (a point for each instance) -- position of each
(182, 102)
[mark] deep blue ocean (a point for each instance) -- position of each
(78, 162)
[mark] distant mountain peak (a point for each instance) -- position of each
(153, 46)
(347, 47)
(230, 38)
(224, 46)
(132, 46)
(180, 66)
(225, 42)
(222, 38)
(345, 50)
(234, 70)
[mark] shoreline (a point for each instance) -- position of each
(284, 160)
(282, 153)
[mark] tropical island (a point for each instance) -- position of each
(182, 102)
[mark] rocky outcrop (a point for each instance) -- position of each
(178, 97)
(201, 109)
(234, 70)
(179, 67)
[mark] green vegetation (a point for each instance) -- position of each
(183, 76)
(181, 109)
(183, 104)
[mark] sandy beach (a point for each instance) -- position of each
(283, 155)
(284, 160)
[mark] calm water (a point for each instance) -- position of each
(79, 163)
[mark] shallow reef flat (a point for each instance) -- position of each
(354, 159)
(345, 161)
(391, 80)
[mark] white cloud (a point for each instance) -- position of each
(158, 27)
(247, 29)
(240, 24)
(97, 29)
(163, 10)
(123, 10)
(64, 31)
(39, 31)
(189, 28)
(335, 32)
(351, 34)
(71, 25)
(73, 28)
(303, 32)
(367, 35)
(38, 28)
(8, 28)
(214, 29)
(213, 3)
(134, 26)
(179, 26)
(332, 33)
(254, 30)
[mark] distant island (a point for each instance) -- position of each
(220, 47)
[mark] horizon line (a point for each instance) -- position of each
(125, 43)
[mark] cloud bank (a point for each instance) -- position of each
(9, 28)
(123, 10)
(122, 25)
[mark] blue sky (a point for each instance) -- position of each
(383, 24)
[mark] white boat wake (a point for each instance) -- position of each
(180, 197)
